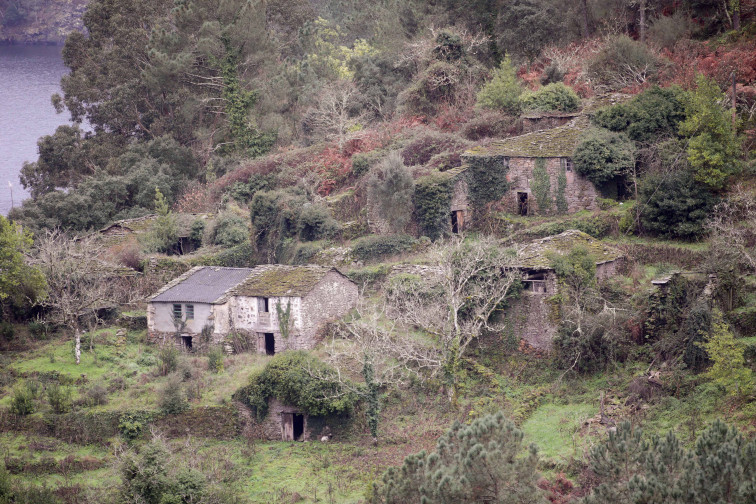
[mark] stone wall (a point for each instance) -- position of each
(531, 319)
(270, 428)
(531, 124)
(330, 299)
(580, 192)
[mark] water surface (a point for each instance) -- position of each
(29, 75)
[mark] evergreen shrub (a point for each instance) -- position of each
(551, 98)
(378, 246)
(433, 195)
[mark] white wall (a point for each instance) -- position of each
(162, 319)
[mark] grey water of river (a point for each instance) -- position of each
(29, 75)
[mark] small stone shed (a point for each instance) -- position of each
(247, 301)
(533, 315)
(288, 423)
(553, 148)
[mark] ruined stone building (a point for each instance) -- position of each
(550, 152)
(534, 315)
(274, 307)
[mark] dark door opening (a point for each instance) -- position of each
(270, 344)
(522, 199)
(298, 427)
(455, 224)
(187, 342)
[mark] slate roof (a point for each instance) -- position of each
(537, 254)
(203, 284)
(276, 280)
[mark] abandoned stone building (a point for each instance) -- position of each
(288, 423)
(273, 307)
(551, 152)
(533, 315)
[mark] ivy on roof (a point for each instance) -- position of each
(536, 255)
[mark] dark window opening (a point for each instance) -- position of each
(455, 224)
(270, 344)
(263, 305)
(187, 342)
(177, 311)
(522, 200)
(298, 427)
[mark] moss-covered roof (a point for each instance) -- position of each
(556, 142)
(537, 254)
(278, 280)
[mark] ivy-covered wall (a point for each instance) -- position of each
(433, 195)
(486, 179)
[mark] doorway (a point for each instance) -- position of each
(455, 223)
(187, 342)
(458, 221)
(270, 344)
(298, 427)
(522, 200)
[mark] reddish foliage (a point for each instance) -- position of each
(718, 63)
(195, 198)
(560, 491)
(334, 167)
(451, 118)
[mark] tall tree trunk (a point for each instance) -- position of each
(642, 27)
(736, 15)
(585, 21)
(77, 345)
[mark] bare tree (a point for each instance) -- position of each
(456, 300)
(78, 287)
(338, 112)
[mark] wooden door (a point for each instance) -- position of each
(287, 426)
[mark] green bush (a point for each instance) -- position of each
(390, 190)
(299, 379)
(666, 31)
(378, 246)
(650, 116)
(172, 397)
(362, 162)
(316, 223)
(229, 230)
(240, 256)
(131, 425)
(59, 398)
(215, 359)
(22, 401)
(503, 91)
(602, 155)
(7, 331)
(552, 97)
(168, 357)
(6, 491)
(674, 205)
(432, 203)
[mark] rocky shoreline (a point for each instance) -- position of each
(49, 25)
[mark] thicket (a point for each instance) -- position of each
(623, 62)
(554, 97)
(602, 156)
(481, 462)
(379, 246)
(432, 203)
(503, 91)
(301, 380)
(390, 190)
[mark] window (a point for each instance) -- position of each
(566, 164)
(177, 311)
(189, 311)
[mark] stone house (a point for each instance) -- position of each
(288, 423)
(274, 307)
(534, 314)
(552, 149)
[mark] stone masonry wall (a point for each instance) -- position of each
(580, 192)
(330, 299)
(532, 321)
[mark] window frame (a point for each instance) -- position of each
(178, 311)
(189, 311)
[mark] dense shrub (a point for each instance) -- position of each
(168, 357)
(22, 401)
(96, 395)
(240, 256)
(361, 164)
(481, 462)
(503, 91)
(623, 62)
(229, 230)
(552, 97)
(422, 149)
(299, 379)
(523, 28)
(316, 223)
(378, 246)
(172, 397)
(490, 124)
(59, 398)
(602, 156)
(390, 190)
(432, 202)
(132, 424)
(675, 205)
(215, 359)
(666, 31)
(648, 117)
(436, 85)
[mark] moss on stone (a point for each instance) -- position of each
(279, 280)
(535, 255)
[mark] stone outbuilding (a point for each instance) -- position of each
(552, 150)
(534, 316)
(272, 307)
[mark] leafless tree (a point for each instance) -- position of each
(337, 113)
(78, 283)
(455, 301)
